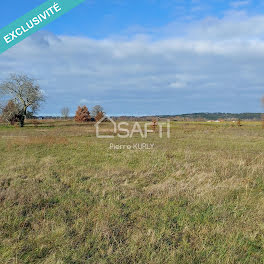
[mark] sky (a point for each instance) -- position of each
(144, 57)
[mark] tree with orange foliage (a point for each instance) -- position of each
(82, 114)
(99, 116)
(96, 110)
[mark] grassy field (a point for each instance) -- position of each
(66, 197)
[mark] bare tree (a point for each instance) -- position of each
(24, 92)
(65, 111)
(98, 109)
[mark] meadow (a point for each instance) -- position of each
(197, 197)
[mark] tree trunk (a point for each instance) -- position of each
(22, 117)
(22, 121)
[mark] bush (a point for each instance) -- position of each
(11, 113)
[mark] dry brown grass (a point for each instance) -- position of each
(65, 197)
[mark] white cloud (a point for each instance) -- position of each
(177, 85)
(90, 102)
(215, 63)
(238, 4)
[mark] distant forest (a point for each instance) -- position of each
(197, 116)
(217, 116)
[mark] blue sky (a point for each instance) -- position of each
(145, 57)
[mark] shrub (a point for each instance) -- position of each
(10, 113)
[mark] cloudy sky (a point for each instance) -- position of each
(140, 57)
